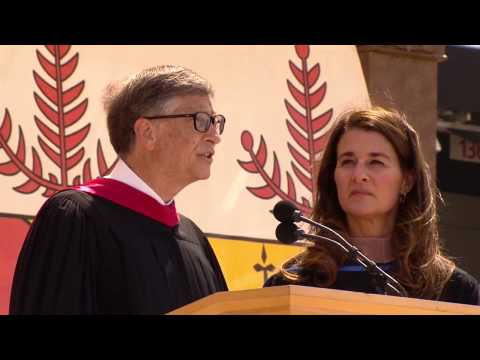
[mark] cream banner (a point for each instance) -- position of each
(280, 103)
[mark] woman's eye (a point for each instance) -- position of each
(346, 162)
(376, 162)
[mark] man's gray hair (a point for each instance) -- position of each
(143, 93)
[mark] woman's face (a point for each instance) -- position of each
(368, 176)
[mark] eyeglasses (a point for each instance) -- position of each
(201, 120)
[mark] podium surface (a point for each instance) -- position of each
(303, 300)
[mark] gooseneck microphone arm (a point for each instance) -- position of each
(318, 237)
(286, 212)
(288, 233)
(384, 278)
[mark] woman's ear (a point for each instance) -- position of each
(408, 182)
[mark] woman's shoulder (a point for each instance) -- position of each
(461, 288)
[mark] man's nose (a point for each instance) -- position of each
(213, 134)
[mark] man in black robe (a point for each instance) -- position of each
(116, 245)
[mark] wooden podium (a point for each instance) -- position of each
(301, 300)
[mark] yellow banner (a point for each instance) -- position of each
(247, 264)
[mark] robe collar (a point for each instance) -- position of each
(133, 199)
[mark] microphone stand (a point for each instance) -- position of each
(382, 280)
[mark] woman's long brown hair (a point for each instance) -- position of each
(422, 268)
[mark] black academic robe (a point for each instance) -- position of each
(85, 254)
(461, 287)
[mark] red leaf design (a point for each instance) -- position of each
(21, 146)
(48, 90)
(261, 155)
(247, 140)
(297, 136)
(299, 119)
(75, 159)
(249, 166)
(76, 181)
(52, 136)
(306, 203)
(37, 164)
(49, 192)
(69, 67)
(319, 144)
(320, 121)
(263, 192)
(317, 97)
(313, 75)
(73, 93)
(292, 194)
(46, 110)
(52, 155)
(6, 129)
(52, 49)
(276, 170)
(76, 113)
(62, 50)
(297, 94)
(301, 160)
(303, 51)
(305, 180)
(87, 175)
(301, 128)
(28, 187)
(9, 168)
(60, 72)
(49, 68)
(102, 164)
(109, 170)
(297, 73)
(53, 179)
(76, 138)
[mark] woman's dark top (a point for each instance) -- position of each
(461, 288)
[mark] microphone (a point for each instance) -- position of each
(287, 232)
(285, 211)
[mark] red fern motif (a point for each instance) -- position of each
(57, 104)
(303, 129)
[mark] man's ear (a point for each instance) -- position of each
(145, 134)
(408, 181)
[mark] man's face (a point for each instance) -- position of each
(181, 153)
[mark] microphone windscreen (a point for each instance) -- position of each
(284, 211)
(286, 232)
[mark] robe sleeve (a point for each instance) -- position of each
(215, 264)
(209, 253)
(55, 269)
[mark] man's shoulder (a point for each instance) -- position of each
(186, 222)
(69, 197)
(70, 201)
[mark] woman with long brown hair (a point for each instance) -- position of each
(374, 188)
